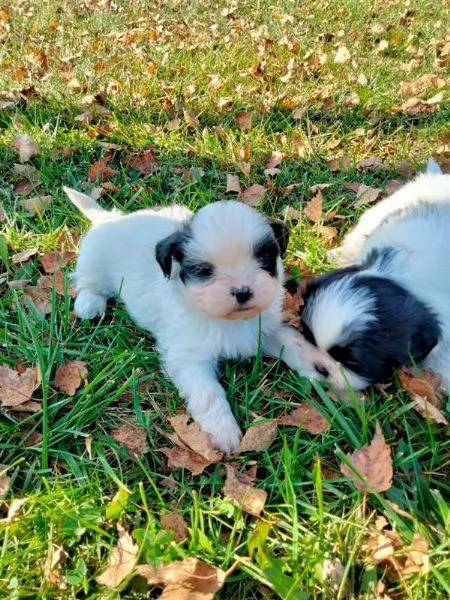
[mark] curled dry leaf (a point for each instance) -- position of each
(366, 195)
(292, 214)
(244, 120)
(16, 388)
(250, 498)
(144, 162)
(4, 481)
(341, 163)
(190, 119)
(233, 184)
(195, 451)
(100, 170)
(189, 579)
(373, 163)
(299, 113)
(175, 522)
(306, 416)
(423, 383)
(342, 55)
(374, 463)
(318, 187)
(37, 204)
(58, 281)
(39, 296)
(13, 508)
(23, 256)
(131, 435)
(69, 376)
(275, 159)
(51, 572)
(253, 195)
(258, 437)
(121, 561)
(244, 166)
(54, 261)
(428, 410)
(26, 147)
(313, 208)
(328, 234)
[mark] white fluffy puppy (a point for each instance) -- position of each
(389, 304)
(207, 286)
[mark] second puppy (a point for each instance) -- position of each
(207, 286)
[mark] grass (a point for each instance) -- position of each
(271, 61)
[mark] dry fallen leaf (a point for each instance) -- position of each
(421, 84)
(299, 113)
(258, 437)
(306, 416)
(2, 213)
(131, 435)
(17, 388)
(244, 166)
(144, 162)
(51, 572)
(328, 234)
(373, 163)
(37, 204)
(121, 561)
(251, 499)
(342, 55)
(341, 163)
(233, 184)
(13, 508)
(175, 522)
(313, 208)
(57, 281)
(244, 120)
(194, 438)
(26, 146)
(374, 463)
(424, 388)
(392, 186)
(252, 195)
(69, 376)
(39, 296)
(23, 256)
(366, 195)
(275, 159)
(53, 261)
(4, 481)
(188, 579)
(100, 170)
(428, 410)
(190, 119)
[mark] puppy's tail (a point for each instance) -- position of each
(87, 205)
(433, 168)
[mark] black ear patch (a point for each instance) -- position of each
(281, 233)
(170, 248)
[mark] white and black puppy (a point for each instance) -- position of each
(389, 304)
(207, 286)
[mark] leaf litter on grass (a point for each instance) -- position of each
(17, 387)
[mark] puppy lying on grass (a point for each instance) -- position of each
(207, 286)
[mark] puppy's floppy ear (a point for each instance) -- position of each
(281, 233)
(423, 340)
(167, 249)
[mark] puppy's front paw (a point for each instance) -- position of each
(89, 306)
(225, 435)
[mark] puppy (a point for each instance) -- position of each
(207, 286)
(389, 303)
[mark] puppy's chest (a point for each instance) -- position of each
(235, 339)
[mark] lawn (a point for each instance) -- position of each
(173, 98)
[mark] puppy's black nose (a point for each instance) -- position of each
(242, 294)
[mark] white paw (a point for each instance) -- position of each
(89, 306)
(225, 433)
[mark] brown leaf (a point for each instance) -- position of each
(188, 579)
(185, 459)
(244, 120)
(299, 113)
(339, 164)
(14, 508)
(175, 522)
(258, 437)
(245, 167)
(342, 55)
(2, 213)
(23, 256)
(100, 170)
(385, 547)
(292, 214)
(191, 120)
(17, 388)
(51, 571)
(253, 195)
(144, 162)
(423, 383)
(121, 561)
(275, 159)
(53, 261)
(37, 204)
(58, 281)
(428, 410)
(271, 172)
(28, 173)
(313, 208)
(93, 112)
(328, 234)
(374, 463)
(233, 184)
(318, 187)
(4, 481)
(194, 438)
(421, 84)
(251, 499)
(366, 195)
(373, 163)
(132, 436)
(26, 147)
(392, 186)
(308, 417)
(40, 297)
(69, 376)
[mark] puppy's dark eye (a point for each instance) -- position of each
(198, 271)
(322, 370)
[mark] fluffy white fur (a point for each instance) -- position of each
(413, 226)
(195, 323)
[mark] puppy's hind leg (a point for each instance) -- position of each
(206, 401)
(89, 305)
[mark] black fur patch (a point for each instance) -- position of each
(171, 248)
(196, 271)
(405, 329)
(281, 233)
(266, 253)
